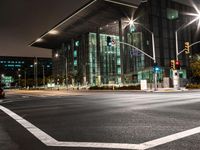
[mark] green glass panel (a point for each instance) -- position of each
(172, 14)
(75, 53)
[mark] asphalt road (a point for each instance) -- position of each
(101, 117)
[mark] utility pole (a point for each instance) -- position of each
(43, 75)
(25, 79)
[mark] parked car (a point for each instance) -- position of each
(2, 93)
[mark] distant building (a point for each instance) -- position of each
(15, 70)
(89, 49)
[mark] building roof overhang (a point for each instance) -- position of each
(94, 14)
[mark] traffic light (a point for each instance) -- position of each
(187, 48)
(172, 65)
(156, 68)
(177, 65)
(109, 41)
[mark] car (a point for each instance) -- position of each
(2, 93)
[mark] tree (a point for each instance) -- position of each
(195, 69)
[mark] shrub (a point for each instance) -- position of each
(132, 87)
(193, 86)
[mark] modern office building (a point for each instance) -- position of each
(98, 43)
(16, 69)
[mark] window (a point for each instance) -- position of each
(172, 14)
(75, 53)
(118, 61)
(77, 43)
(75, 62)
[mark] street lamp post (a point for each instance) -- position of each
(132, 22)
(43, 75)
(66, 72)
(19, 80)
(177, 50)
(35, 73)
(25, 79)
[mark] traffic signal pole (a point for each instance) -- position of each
(153, 58)
(177, 53)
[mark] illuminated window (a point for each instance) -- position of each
(118, 61)
(75, 53)
(77, 43)
(118, 70)
(68, 47)
(172, 14)
(75, 62)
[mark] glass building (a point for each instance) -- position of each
(13, 68)
(93, 44)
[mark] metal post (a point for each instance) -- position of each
(154, 59)
(25, 79)
(35, 72)
(66, 74)
(154, 53)
(43, 75)
(19, 80)
(176, 38)
(177, 78)
(36, 75)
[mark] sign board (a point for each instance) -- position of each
(176, 79)
(51, 85)
(143, 84)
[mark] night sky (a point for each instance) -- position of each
(23, 21)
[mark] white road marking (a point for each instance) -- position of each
(50, 141)
(25, 96)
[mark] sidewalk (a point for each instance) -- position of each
(168, 90)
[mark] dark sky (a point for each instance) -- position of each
(22, 21)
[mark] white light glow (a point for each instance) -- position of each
(53, 32)
(39, 40)
(56, 55)
(131, 22)
(196, 15)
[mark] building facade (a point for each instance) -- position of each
(15, 70)
(94, 48)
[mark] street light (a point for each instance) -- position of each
(43, 74)
(35, 72)
(66, 73)
(131, 23)
(197, 18)
(19, 78)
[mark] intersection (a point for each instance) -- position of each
(101, 120)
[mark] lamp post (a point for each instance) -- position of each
(25, 79)
(132, 22)
(19, 80)
(66, 73)
(176, 72)
(35, 73)
(43, 75)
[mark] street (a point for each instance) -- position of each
(64, 120)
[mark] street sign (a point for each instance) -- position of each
(135, 52)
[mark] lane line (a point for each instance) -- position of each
(50, 141)
(171, 138)
(39, 134)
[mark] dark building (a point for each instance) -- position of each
(97, 45)
(15, 70)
